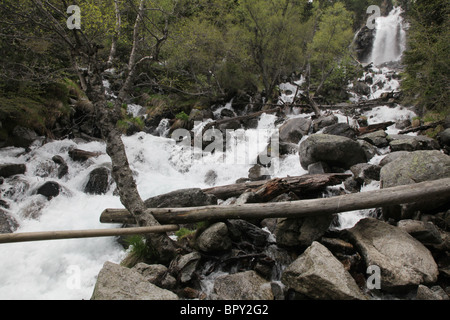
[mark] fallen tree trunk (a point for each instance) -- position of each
(375, 127)
(296, 209)
(422, 128)
(300, 184)
(79, 234)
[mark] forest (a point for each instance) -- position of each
(175, 55)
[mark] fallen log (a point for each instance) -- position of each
(422, 128)
(296, 209)
(375, 127)
(299, 184)
(79, 234)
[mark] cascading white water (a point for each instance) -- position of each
(390, 38)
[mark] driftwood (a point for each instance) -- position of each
(300, 184)
(297, 209)
(79, 234)
(375, 127)
(422, 128)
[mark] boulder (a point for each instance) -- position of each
(98, 182)
(157, 274)
(341, 129)
(335, 151)
(324, 121)
(412, 143)
(12, 169)
(301, 232)
(294, 130)
(63, 168)
(425, 232)
(392, 156)
(364, 172)
(22, 137)
(115, 282)
(257, 173)
(433, 293)
(377, 138)
(246, 285)
(49, 190)
(214, 239)
(241, 230)
(415, 167)
(318, 275)
(404, 262)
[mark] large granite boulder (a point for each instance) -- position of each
(335, 151)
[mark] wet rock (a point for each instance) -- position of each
(98, 182)
(318, 168)
(404, 261)
(294, 130)
(364, 172)
(240, 230)
(49, 190)
(182, 198)
(257, 173)
(82, 155)
(210, 178)
(22, 137)
(63, 168)
(335, 151)
(12, 169)
(7, 223)
(214, 239)
(115, 282)
(317, 274)
(246, 285)
(369, 150)
(341, 129)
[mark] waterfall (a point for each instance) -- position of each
(390, 38)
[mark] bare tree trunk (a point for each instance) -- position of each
(112, 53)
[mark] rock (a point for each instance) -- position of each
(256, 173)
(12, 169)
(335, 151)
(49, 190)
(392, 156)
(63, 167)
(210, 178)
(115, 282)
(294, 130)
(377, 138)
(286, 148)
(410, 168)
(425, 232)
(301, 232)
(22, 137)
(246, 285)
(412, 143)
(317, 274)
(157, 274)
(364, 172)
(361, 88)
(404, 261)
(214, 239)
(185, 266)
(318, 168)
(369, 150)
(240, 230)
(182, 198)
(341, 129)
(324, 121)
(7, 223)
(433, 293)
(98, 182)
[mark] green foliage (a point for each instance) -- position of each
(182, 116)
(138, 251)
(426, 77)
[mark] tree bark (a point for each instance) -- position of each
(296, 209)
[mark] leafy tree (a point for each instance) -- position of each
(426, 78)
